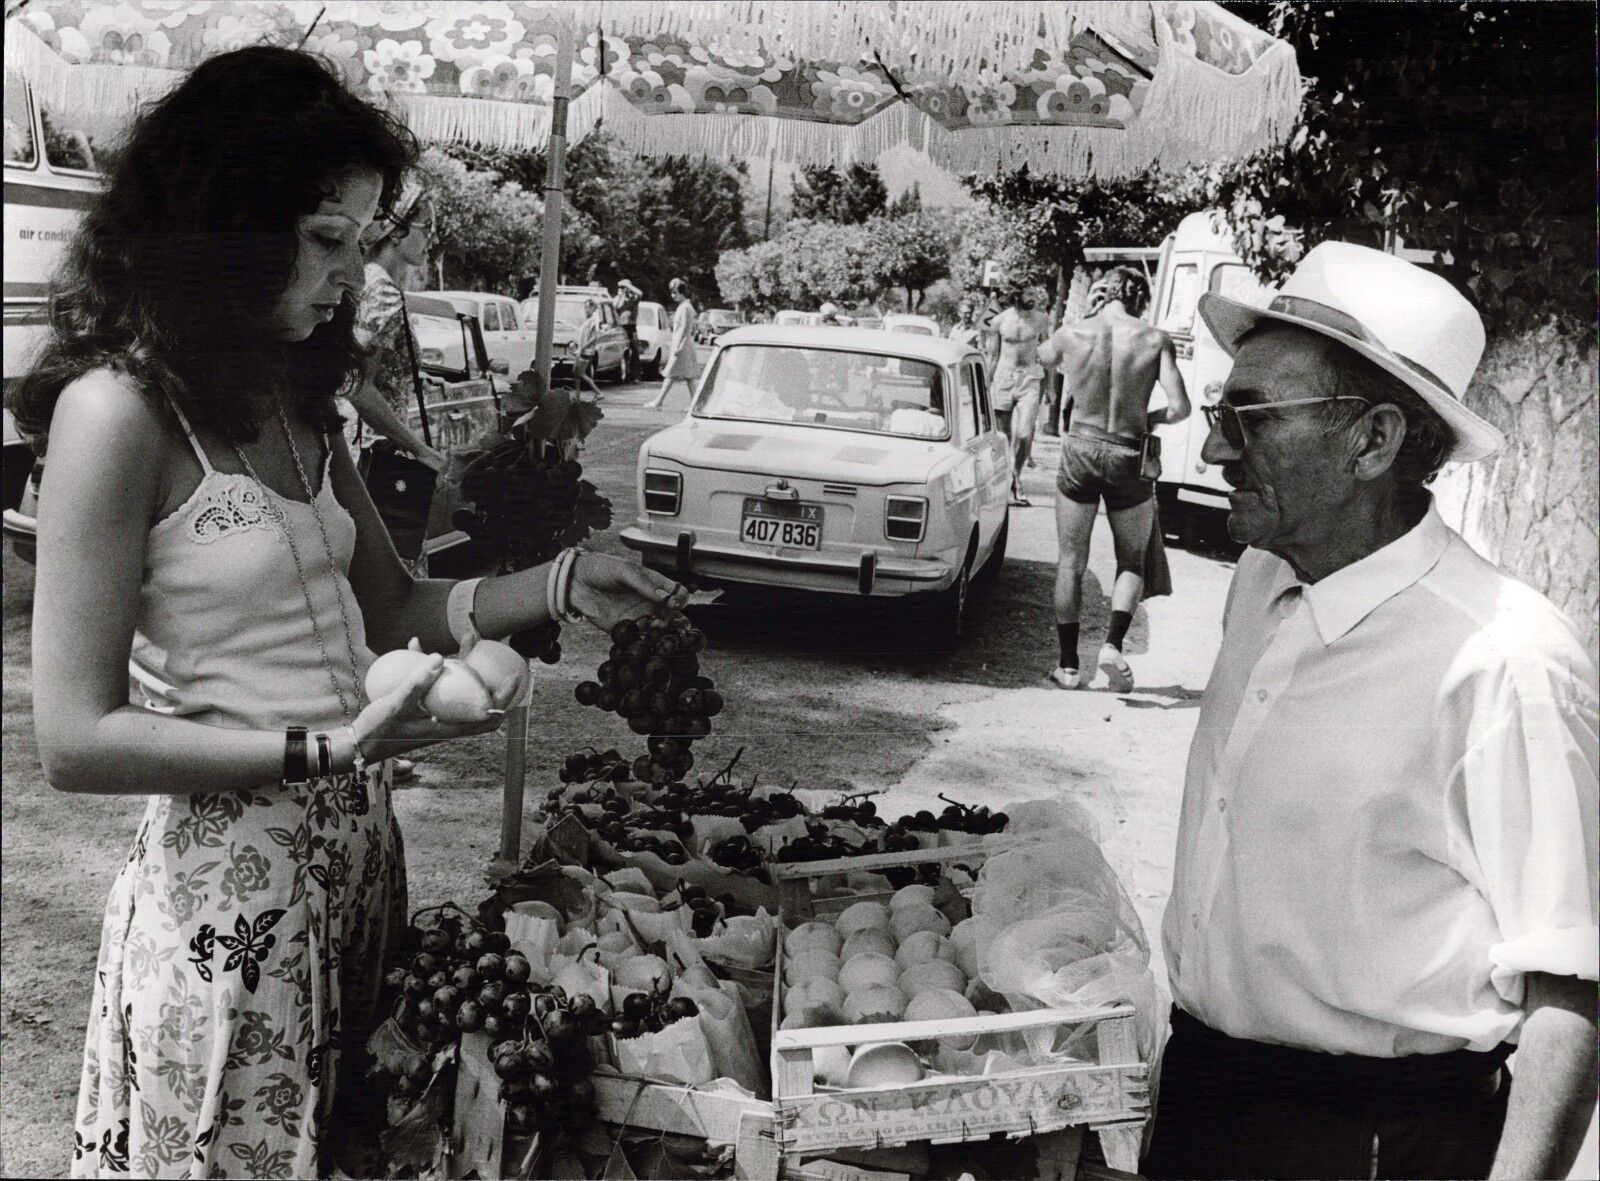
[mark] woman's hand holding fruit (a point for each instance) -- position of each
(607, 590)
(420, 698)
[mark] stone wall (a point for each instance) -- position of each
(1534, 508)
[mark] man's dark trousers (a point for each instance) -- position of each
(1238, 1109)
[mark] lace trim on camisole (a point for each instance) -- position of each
(229, 507)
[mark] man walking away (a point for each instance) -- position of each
(1110, 362)
(1386, 863)
(626, 302)
(1018, 378)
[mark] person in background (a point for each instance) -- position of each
(396, 250)
(1386, 864)
(588, 348)
(829, 314)
(199, 503)
(1111, 361)
(1018, 379)
(965, 330)
(626, 302)
(683, 363)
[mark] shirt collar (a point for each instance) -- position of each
(1347, 596)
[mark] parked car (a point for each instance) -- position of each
(508, 337)
(789, 317)
(869, 322)
(460, 397)
(713, 322)
(836, 460)
(911, 323)
(654, 330)
(614, 359)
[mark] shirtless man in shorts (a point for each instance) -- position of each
(1110, 362)
(1018, 379)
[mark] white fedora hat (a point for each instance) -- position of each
(1407, 321)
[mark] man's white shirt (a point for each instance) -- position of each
(1389, 812)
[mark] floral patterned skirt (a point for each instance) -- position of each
(243, 940)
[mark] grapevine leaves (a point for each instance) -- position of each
(556, 416)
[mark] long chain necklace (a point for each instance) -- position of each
(345, 707)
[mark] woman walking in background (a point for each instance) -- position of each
(199, 507)
(683, 363)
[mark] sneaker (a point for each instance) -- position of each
(1119, 677)
(1065, 678)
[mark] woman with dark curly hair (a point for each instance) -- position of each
(199, 513)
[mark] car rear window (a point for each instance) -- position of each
(828, 388)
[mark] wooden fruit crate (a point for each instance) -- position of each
(1109, 1095)
(481, 1142)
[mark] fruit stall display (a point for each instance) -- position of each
(701, 975)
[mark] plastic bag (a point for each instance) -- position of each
(1059, 930)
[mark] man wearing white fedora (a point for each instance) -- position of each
(1386, 865)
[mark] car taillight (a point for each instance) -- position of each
(904, 518)
(663, 491)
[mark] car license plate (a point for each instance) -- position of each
(776, 522)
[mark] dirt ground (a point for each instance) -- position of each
(824, 693)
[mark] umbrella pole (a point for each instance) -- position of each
(549, 272)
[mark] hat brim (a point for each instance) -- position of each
(1475, 438)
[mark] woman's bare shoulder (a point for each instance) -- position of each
(106, 403)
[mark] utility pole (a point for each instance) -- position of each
(766, 223)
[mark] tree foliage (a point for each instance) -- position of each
(907, 203)
(488, 226)
(1033, 224)
(1470, 131)
(849, 196)
(648, 221)
(817, 262)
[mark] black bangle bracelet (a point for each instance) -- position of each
(296, 765)
(324, 756)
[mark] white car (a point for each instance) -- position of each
(654, 330)
(791, 317)
(910, 323)
(832, 459)
(508, 339)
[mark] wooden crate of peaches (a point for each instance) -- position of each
(886, 1034)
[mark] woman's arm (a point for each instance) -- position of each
(376, 412)
(99, 493)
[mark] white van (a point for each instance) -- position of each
(1198, 257)
(50, 179)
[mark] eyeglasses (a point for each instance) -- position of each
(1229, 419)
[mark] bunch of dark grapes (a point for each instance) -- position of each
(650, 1012)
(821, 845)
(959, 817)
(525, 508)
(447, 986)
(652, 678)
(704, 911)
(542, 1059)
(856, 809)
(590, 766)
(737, 853)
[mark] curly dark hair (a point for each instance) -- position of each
(1121, 283)
(185, 252)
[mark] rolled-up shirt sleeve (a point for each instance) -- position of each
(1526, 793)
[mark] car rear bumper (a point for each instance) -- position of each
(865, 573)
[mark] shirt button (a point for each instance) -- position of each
(1222, 805)
(1262, 694)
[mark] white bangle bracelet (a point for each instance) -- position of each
(564, 589)
(550, 585)
(458, 612)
